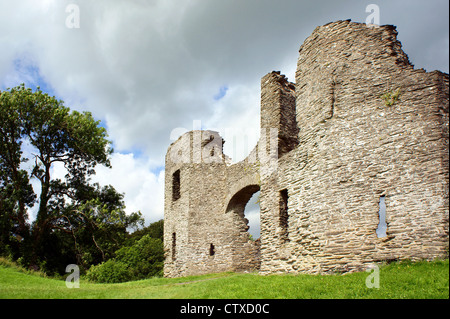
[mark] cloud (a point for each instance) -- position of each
(143, 189)
(146, 68)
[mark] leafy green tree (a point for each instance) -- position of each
(16, 193)
(154, 230)
(75, 220)
(99, 226)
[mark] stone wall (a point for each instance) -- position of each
(359, 124)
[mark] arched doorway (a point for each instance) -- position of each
(245, 248)
(252, 214)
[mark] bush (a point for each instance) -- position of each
(144, 259)
(111, 271)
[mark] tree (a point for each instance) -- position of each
(16, 193)
(71, 210)
(154, 230)
(98, 225)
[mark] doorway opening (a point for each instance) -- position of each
(252, 214)
(243, 210)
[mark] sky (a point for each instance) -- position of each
(150, 70)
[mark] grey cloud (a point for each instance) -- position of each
(147, 67)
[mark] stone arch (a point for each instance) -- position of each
(246, 253)
(238, 201)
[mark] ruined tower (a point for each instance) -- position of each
(360, 131)
(204, 225)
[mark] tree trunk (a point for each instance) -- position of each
(41, 227)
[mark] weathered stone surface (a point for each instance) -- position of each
(359, 123)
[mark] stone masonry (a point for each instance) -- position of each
(359, 125)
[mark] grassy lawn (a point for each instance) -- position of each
(397, 280)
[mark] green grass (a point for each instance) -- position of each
(397, 280)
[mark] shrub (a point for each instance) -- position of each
(390, 98)
(145, 258)
(111, 271)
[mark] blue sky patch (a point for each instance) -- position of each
(222, 92)
(157, 170)
(29, 73)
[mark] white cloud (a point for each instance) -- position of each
(143, 189)
(239, 132)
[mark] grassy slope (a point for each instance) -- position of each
(397, 280)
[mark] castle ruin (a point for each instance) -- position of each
(359, 129)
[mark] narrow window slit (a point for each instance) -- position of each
(382, 226)
(212, 250)
(283, 217)
(174, 245)
(176, 185)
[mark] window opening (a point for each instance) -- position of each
(174, 244)
(283, 218)
(176, 185)
(211, 250)
(382, 226)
